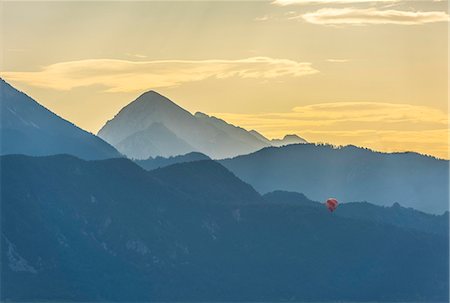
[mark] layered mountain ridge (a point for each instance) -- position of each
(159, 162)
(348, 173)
(71, 229)
(153, 125)
(187, 228)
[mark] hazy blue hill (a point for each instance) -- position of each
(395, 215)
(75, 230)
(349, 174)
(157, 162)
(291, 198)
(153, 141)
(27, 127)
(207, 181)
(287, 140)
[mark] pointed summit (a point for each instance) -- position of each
(149, 108)
(152, 92)
(152, 101)
(151, 96)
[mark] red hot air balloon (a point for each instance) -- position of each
(332, 204)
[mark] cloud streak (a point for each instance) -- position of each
(305, 2)
(338, 60)
(354, 16)
(381, 126)
(131, 76)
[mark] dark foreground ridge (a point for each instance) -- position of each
(159, 162)
(75, 230)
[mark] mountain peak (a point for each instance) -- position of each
(149, 108)
(149, 104)
(153, 92)
(152, 97)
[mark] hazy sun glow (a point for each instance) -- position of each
(380, 126)
(367, 72)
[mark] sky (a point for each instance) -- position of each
(371, 73)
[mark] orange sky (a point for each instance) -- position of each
(369, 73)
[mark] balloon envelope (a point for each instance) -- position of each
(332, 204)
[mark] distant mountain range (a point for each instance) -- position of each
(349, 174)
(75, 230)
(186, 228)
(29, 128)
(153, 125)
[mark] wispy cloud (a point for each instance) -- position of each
(299, 2)
(338, 60)
(129, 76)
(382, 126)
(354, 16)
(140, 56)
(262, 18)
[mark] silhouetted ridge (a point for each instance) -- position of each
(292, 198)
(215, 182)
(158, 162)
(27, 127)
(395, 215)
(75, 230)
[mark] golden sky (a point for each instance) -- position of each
(366, 72)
